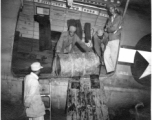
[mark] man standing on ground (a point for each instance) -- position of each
(34, 106)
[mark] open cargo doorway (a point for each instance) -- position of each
(34, 40)
(29, 32)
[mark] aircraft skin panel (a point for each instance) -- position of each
(127, 96)
(8, 5)
(134, 28)
(8, 29)
(126, 99)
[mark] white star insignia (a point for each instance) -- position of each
(147, 56)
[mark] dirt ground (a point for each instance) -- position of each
(11, 111)
(16, 111)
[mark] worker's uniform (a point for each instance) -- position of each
(99, 44)
(111, 51)
(35, 109)
(66, 44)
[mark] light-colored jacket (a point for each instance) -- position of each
(32, 99)
(66, 44)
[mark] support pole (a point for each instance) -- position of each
(126, 6)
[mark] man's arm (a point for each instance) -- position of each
(60, 44)
(83, 45)
(115, 26)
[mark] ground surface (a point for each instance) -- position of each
(16, 111)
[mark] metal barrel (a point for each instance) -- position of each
(76, 64)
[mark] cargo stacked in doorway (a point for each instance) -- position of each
(28, 29)
(26, 25)
(86, 100)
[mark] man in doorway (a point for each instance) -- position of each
(67, 41)
(34, 106)
(113, 29)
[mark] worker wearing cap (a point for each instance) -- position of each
(34, 106)
(113, 29)
(67, 41)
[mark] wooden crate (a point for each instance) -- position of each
(36, 37)
(27, 35)
(58, 28)
(28, 7)
(26, 27)
(26, 32)
(26, 18)
(36, 33)
(28, 3)
(30, 13)
(25, 15)
(36, 29)
(58, 22)
(57, 16)
(36, 24)
(21, 22)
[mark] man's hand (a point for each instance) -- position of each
(89, 44)
(120, 27)
(27, 104)
(105, 29)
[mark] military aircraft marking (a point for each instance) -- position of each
(128, 56)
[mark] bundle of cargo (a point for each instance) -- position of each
(85, 102)
(76, 64)
(26, 25)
